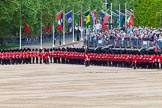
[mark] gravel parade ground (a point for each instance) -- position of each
(77, 86)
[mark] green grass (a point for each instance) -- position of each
(9, 46)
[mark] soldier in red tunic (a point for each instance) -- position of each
(161, 60)
(135, 61)
(40, 56)
(50, 55)
(0, 57)
(46, 56)
(36, 56)
(32, 53)
(87, 60)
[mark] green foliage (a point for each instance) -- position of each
(31, 10)
(148, 13)
(8, 16)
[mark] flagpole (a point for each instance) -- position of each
(125, 15)
(53, 34)
(41, 33)
(81, 24)
(20, 27)
(53, 29)
(111, 15)
(73, 24)
(64, 25)
(119, 17)
(96, 22)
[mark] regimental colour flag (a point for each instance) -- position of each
(69, 19)
(26, 27)
(94, 17)
(47, 27)
(59, 18)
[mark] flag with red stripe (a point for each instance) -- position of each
(94, 17)
(59, 18)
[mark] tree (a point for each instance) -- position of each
(148, 12)
(8, 18)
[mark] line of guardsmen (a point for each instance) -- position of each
(100, 57)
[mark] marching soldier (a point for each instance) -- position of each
(0, 57)
(32, 53)
(87, 60)
(36, 55)
(50, 55)
(40, 56)
(135, 61)
(46, 56)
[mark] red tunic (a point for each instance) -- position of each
(161, 58)
(135, 59)
(0, 55)
(46, 55)
(40, 55)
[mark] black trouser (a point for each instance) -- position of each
(157, 65)
(134, 65)
(86, 63)
(63, 60)
(54, 60)
(29, 60)
(45, 60)
(33, 60)
(23, 60)
(18, 60)
(36, 60)
(7, 61)
(40, 60)
(3, 61)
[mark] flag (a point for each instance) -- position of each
(127, 20)
(104, 20)
(131, 21)
(47, 28)
(59, 18)
(76, 19)
(115, 19)
(122, 17)
(94, 17)
(121, 20)
(87, 18)
(102, 14)
(80, 19)
(26, 27)
(69, 19)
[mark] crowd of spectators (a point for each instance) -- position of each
(126, 37)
